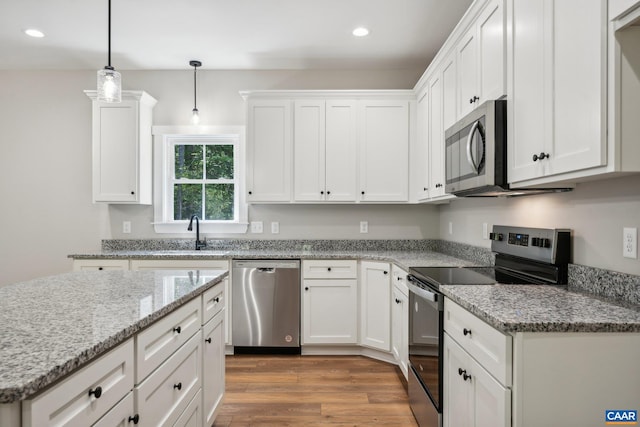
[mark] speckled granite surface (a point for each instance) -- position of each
(540, 308)
(404, 259)
(51, 326)
(609, 284)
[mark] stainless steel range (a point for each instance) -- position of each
(523, 256)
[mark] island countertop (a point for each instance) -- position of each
(51, 326)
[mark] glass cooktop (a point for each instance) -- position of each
(437, 276)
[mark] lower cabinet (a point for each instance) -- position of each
(472, 397)
(170, 374)
(212, 368)
(400, 320)
(100, 264)
(375, 305)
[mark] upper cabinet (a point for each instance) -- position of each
(384, 151)
(557, 88)
(269, 148)
(122, 148)
(481, 58)
(329, 146)
(325, 150)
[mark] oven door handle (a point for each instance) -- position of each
(423, 293)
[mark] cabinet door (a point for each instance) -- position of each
(457, 401)
(468, 73)
(115, 151)
(449, 91)
(121, 415)
(436, 138)
(384, 151)
(421, 159)
(400, 332)
(269, 151)
(212, 368)
(340, 151)
(492, 55)
(375, 305)
(330, 311)
(309, 150)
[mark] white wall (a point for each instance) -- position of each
(595, 211)
(45, 161)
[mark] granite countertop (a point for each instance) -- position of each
(541, 308)
(404, 259)
(51, 326)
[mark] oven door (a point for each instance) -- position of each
(426, 311)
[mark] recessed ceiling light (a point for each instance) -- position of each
(361, 32)
(32, 32)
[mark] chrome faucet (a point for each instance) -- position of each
(199, 244)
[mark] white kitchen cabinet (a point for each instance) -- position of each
(183, 264)
(121, 415)
(420, 161)
(472, 397)
(213, 364)
(122, 148)
(557, 84)
(375, 305)
(192, 416)
(384, 151)
(269, 150)
(449, 91)
(85, 396)
(400, 320)
(165, 394)
(100, 264)
(481, 56)
(436, 138)
(329, 302)
(164, 337)
(325, 150)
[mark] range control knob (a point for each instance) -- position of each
(541, 242)
(498, 237)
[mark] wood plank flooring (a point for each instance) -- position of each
(331, 391)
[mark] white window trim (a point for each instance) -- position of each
(162, 135)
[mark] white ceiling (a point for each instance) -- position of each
(225, 34)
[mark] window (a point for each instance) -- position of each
(199, 174)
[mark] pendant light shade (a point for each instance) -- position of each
(195, 114)
(109, 82)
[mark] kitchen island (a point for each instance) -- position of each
(55, 327)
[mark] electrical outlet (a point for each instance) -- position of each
(256, 227)
(364, 226)
(126, 227)
(450, 228)
(275, 227)
(485, 230)
(630, 242)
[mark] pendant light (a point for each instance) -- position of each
(109, 83)
(195, 114)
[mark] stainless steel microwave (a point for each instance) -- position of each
(476, 152)
(476, 155)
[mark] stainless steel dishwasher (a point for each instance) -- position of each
(266, 306)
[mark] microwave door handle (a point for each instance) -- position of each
(470, 159)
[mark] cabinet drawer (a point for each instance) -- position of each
(399, 279)
(490, 347)
(164, 396)
(69, 403)
(160, 340)
(119, 415)
(329, 269)
(100, 264)
(213, 300)
(192, 416)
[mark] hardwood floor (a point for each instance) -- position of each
(313, 391)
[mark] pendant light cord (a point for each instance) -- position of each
(109, 39)
(195, 92)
